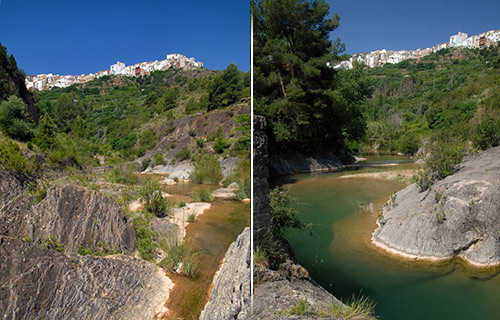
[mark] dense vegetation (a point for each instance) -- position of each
(309, 105)
(448, 101)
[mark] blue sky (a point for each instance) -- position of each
(77, 36)
(395, 25)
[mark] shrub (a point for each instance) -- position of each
(146, 244)
(487, 131)
(191, 218)
(159, 159)
(183, 154)
(53, 244)
(283, 212)
(12, 158)
(181, 204)
(259, 254)
(207, 170)
(153, 200)
(220, 145)
(204, 195)
(14, 120)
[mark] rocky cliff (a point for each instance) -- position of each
(291, 162)
(42, 276)
(230, 297)
(457, 217)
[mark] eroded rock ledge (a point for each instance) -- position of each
(458, 216)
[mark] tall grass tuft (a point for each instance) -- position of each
(204, 195)
(207, 170)
(177, 253)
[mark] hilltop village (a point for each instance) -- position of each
(178, 61)
(381, 57)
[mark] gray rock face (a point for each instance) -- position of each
(262, 218)
(12, 184)
(457, 216)
(230, 297)
(37, 283)
(72, 216)
(296, 162)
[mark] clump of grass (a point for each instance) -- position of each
(204, 195)
(356, 308)
(259, 254)
(438, 195)
(183, 154)
(159, 159)
(300, 308)
(123, 174)
(181, 204)
(207, 170)
(191, 218)
(177, 253)
(38, 190)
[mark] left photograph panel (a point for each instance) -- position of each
(124, 160)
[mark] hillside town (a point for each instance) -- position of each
(176, 60)
(381, 57)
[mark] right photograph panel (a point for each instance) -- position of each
(376, 160)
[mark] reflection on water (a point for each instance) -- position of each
(340, 256)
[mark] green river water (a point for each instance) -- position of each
(340, 257)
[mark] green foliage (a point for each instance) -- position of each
(191, 218)
(177, 253)
(241, 175)
(12, 158)
(309, 105)
(14, 120)
(159, 159)
(220, 144)
(181, 204)
(102, 251)
(227, 87)
(52, 243)
(204, 195)
(45, 136)
(146, 244)
(183, 154)
(283, 212)
(153, 200)
(38, 190)
(300, 308)
(207, 170)
(124, 174)
(147, 139)
(361, 307)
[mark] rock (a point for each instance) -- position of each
(37, 283)
(72, 216)
(169, 181)
(229, 165)
(291, 162)
(457, 217)
(230, 297)
(234, 186)
(12, 184)
(224, 193)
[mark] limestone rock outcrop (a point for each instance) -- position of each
(230, 297)
(458, 216)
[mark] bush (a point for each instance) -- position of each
(204, 195)
(207, 170)
(283, 212)
(145, 164)
(220, 145)
(183, 154)
(14, 120)
(487, 131)
(153, 200)
(146, 244)
(12, 158)
(159, 159)
(191, 218)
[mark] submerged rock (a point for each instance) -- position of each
(457, 216)
(230, 297)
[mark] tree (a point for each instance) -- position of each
(14, 120)
(308, 104)
(226, 88)
(46, 133)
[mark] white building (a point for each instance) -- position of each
(458, 40)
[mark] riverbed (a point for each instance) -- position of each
(340, 256)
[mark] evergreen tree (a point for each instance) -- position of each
(14, 120)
